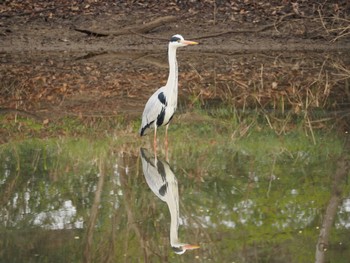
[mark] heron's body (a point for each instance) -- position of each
(161, 106)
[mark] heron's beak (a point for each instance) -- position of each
(190, 247)
(187, 42)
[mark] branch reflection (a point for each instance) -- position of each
(343, 167)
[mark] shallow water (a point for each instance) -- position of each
(62, 201)
(253, 188)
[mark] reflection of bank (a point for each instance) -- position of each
(162, 181)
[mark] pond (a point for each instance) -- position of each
(257, 168)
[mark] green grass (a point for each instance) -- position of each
(216, 129)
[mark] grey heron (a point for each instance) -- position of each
(161, 106)
(163, 183)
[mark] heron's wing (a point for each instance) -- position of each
(154, 107)
(156, 175)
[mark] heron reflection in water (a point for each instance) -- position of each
(162, 181)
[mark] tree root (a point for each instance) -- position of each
(135, 29)
(141, 30)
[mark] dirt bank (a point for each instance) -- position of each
(47, 48)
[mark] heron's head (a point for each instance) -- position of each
(181, 248)
(179, 41)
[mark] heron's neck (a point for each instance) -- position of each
(173, 205)
(173, 71)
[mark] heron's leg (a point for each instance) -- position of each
(166, 154)
(166, 141)
(155, 140)
(166, 135)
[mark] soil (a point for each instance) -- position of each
(50, 27)
(42, 44)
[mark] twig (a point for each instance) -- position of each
(272, 176)
(341, 35)
(311, 130)
(261, 29)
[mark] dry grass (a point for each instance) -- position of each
(283, 88)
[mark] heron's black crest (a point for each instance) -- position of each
(162, 98)
(174, 39)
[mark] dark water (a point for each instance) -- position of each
(250, 188)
